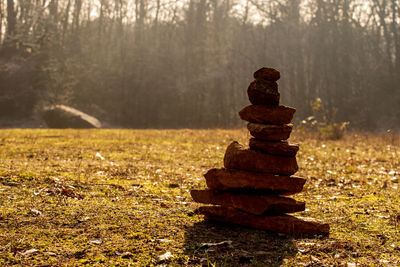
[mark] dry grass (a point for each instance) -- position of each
(60, 204)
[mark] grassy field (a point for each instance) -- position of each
(121, 197)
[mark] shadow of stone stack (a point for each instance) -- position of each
(253, 187)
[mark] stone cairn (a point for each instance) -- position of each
(253, 187)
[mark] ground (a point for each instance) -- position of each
(121, 197)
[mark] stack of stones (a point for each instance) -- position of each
(253, 187)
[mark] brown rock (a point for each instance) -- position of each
(254, 204)
(61, 116)
(267, 74)
(281, 148)
(267, 114)
(282, 224)
(263, 93)
(270, 132)
(236, 157)
(224, 179)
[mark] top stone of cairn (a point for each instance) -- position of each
(267, 74)
(264, 89)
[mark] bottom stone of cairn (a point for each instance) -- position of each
(280, 223)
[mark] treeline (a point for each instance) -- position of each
(156, 63)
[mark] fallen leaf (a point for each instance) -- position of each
(10, 183)
(95, 242)
(69, 192)
(98, 155)
(303, 251)
(35, 212)
(163, 205)
(314, 259)
(84, 219)
(124, 255)
(164, 257)
(29, 252)
(220, 245)
(162, 240)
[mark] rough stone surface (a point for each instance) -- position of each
(267, 74)
(270, 132)
(281, 148)
(263, 93)
(283, 223)
(60, 116)
(267, 114)
(236, 157)
(224, 179)
(253, 204)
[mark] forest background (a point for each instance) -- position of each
(173, 63)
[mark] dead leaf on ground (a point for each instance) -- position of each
(163, 240)
(84, 219)
(314, 259)
(163, 205)
(217, 246)
(10, 183)
(35, 212)
(164, 257)
(29, 252)
(98, 155)
(96, 242)
(124, 255)
(69, 192)
(173, 185)
(49, 253)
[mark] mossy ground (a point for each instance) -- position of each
(75, 208)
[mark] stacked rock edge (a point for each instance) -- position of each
(238, 158)
(253, 204)
(270, 132)
(225, 179)
(267, 114)
(280, 223)
(280, 148)
(267, 74)
(261, 92)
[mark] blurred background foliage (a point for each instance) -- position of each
(171, 64)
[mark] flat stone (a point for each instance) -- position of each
(270, 132)
(281, 148)
(253, 204)
(282, 224)
(238, 158)
(267, 114)
(263, 93)
(224, 179)
(267, 74)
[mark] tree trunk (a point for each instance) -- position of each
(10, 39)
